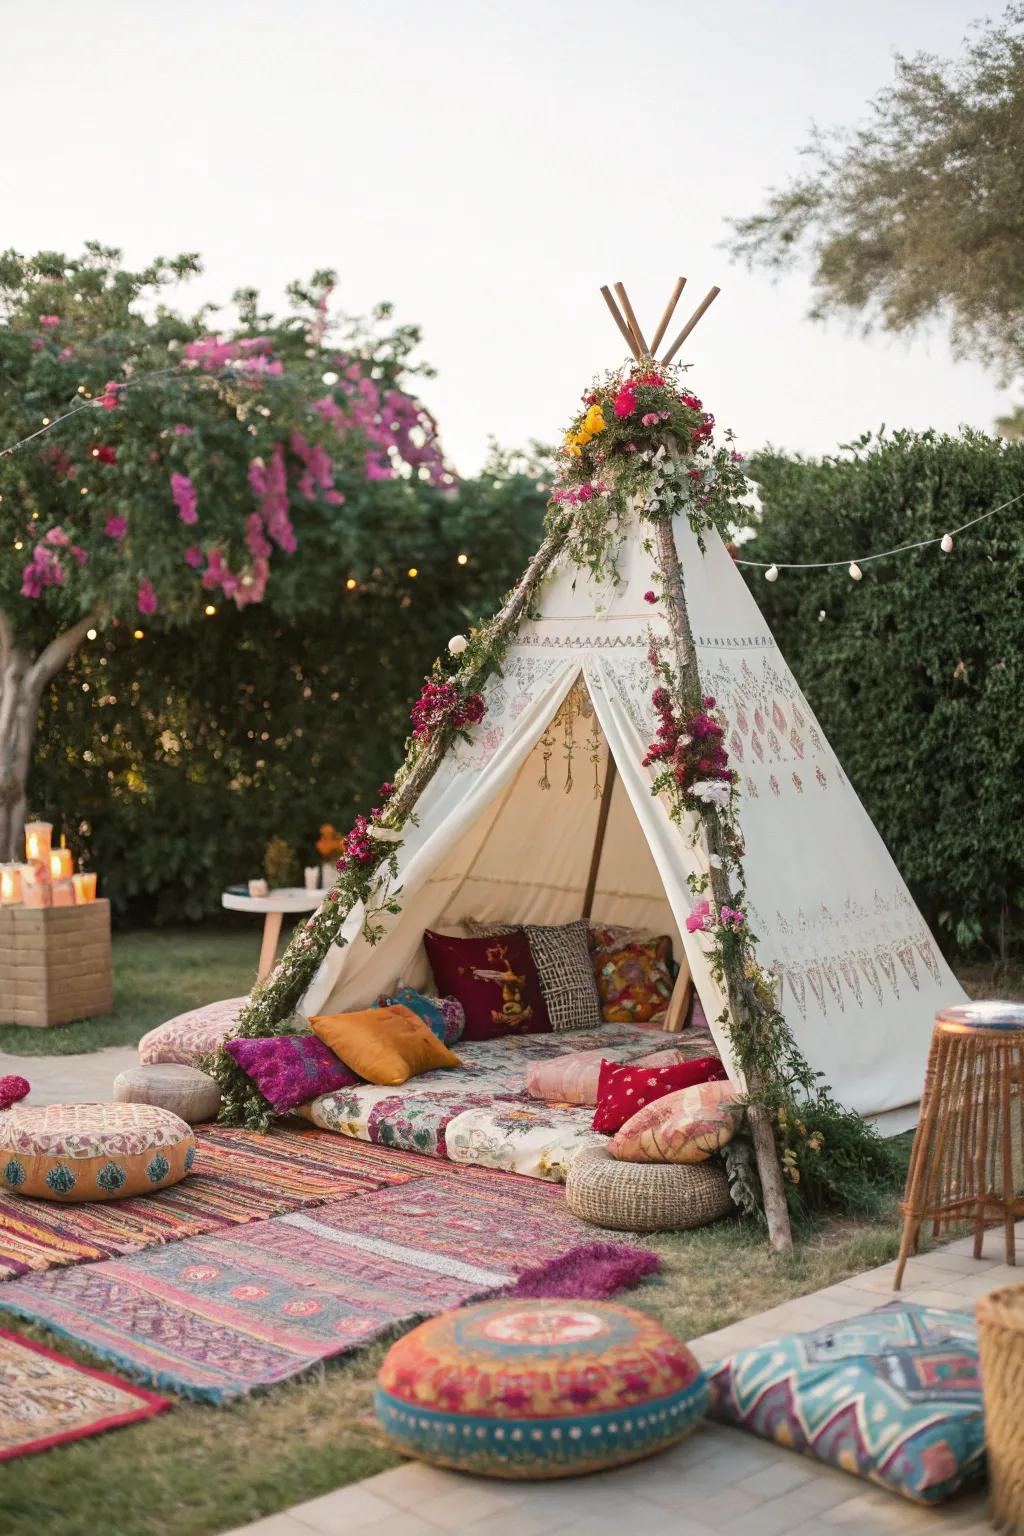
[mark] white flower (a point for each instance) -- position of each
(714, 861)
(712, 791)
(457, 644)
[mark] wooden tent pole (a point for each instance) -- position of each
(631, 319)
(606, 294)
(741, 998)
(602, 827)
(702, 308)
(670, 309)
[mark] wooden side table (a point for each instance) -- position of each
(967, 1161)
(54, 964)
(289, 898)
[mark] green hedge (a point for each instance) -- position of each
(917, 671)
(171, 760)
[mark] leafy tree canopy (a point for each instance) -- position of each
(920, 211)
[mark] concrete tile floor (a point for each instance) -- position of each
(718, 1482)
(84, 1079)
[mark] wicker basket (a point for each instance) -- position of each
(1001, 1356)
(646, 1197)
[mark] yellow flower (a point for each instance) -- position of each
(801, 1129)
(594, 421)
(782, 1119)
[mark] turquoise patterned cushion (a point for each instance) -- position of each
(893, 1396)
(443, 1016)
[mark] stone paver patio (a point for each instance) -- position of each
(83, 1079)
(719, 1482)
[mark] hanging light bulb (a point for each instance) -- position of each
(457, 644)
(855, 571)
(822, 615)
(351, 584)
(462, 559)
(772, 573)
(329, 378)
(946, 544)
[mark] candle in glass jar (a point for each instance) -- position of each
(37, 841)
(61, 863)
(85, 887)
(63, 893)
(10, 885)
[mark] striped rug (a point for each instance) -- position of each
(239, 1177)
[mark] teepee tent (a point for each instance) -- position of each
(542, 811)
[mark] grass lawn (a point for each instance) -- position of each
(200, 1469)
(158, 972)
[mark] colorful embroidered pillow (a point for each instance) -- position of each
(561, 953)
(383, 1045)
(495, 979)
(573, 1079)
(445, 1017)
(623, 1090)
(683, 1127)
(634, 978)
(290, 1069)
(893, 1396)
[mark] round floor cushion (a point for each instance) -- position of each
(185, 1091)
(92, 1151)
(645, 1197)
(188, 1036)
(538, 1388)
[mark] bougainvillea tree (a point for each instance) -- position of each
(175, 462)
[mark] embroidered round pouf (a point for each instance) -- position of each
(645, 1197)
(185, 1091)
(538, 1388)
(92, 1151)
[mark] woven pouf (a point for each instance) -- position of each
(645, 1197)
(1000, 1317)
(92, 1151)
(538, 1388)
(185, 1091)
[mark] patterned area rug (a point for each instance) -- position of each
(46, 1399)
(239, 1177)
(217, 1317)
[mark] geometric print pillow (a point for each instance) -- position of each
(893, 1396)
(562, 957)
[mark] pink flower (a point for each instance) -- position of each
(698, 918)
(110, 397)
(115, 527)
(194, 556)
(49, 321)
(57, 536)
(650, 597)
(184, 495)
(180, 430)
(625, 402)
(146, 598)
(68, 352)
(737, 458)
(650, 420)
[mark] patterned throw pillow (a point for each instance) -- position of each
(893, 1396)
(561, 953)
(495, 979)
(683, 1127)
(634, 976)
(623, 1090)
(445, 1017)
(386, 1046)
(290, 1069)
(573, 1079)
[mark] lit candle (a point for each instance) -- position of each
(61, 863)
(85, 887)
(10, 885)
(37, 841)
(63, 893)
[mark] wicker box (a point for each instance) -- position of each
(54, 964)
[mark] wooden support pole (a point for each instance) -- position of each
(743, 1002)
(600, 830)
(702, 309)
(631, 320)
(670, 309)
(606, 294)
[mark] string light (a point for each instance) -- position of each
(18, 544)
(139, 634)
(209, 610)
(351, 584)
(772, 568)
(90, 634)
(462, 559)
(330, 378)
(413, 572)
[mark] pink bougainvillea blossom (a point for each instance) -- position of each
(104, 454)
(115, 526)
(181, 430)
(193, 556)
(57, 536)
(111, 396)
(146, 597)
(442, 703)
(699, 919)
(43, 570)
(185, 498)
(49, 321)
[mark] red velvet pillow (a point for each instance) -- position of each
(621, 1091)
(494, 979)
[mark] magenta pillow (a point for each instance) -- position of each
(621, 1091)
(290, 1069)
(494, 978)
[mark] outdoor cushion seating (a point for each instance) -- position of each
(185, 1091)
(683, 1127)
(383, 1045)
(573, 1079)
(188, 1036)
(893, 1395)
(289, 1070)
(645, 1197)
(92, 1151)
(538, 1389)
(624, 1090)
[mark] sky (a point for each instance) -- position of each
(485, 166)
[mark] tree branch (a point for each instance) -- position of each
(59, 652)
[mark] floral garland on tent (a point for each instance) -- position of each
(640, 439)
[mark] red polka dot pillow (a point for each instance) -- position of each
(623, 1090)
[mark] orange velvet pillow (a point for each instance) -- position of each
(383, 1045)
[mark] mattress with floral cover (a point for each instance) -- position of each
(479, 1113)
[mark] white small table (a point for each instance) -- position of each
(288, 898)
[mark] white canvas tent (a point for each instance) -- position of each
(498, 836)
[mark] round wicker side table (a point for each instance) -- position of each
(1000, 1317)
(967, 1161)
